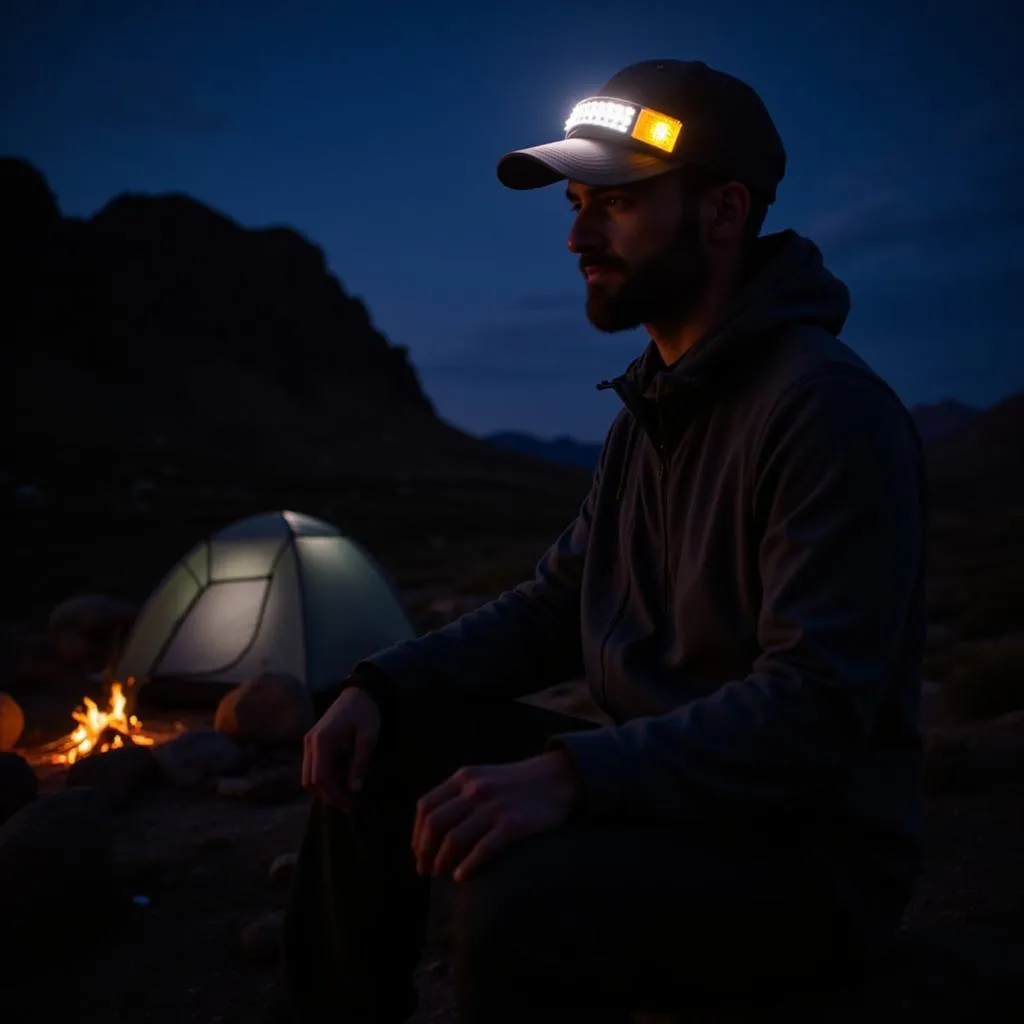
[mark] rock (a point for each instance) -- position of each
(197, 756)
(273, 708)
(260, 941)
(90, 629)
(18, 785)
(12, 722)
(118, 774)
(283, 868)
(55, 861)
(268, 785)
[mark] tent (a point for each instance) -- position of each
(279, 592)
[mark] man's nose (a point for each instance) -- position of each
(584, 235)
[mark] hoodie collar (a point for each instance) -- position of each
(787, 285)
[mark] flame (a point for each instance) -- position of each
(93, 723)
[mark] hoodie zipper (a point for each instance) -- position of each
(619, 387)
(663, 495)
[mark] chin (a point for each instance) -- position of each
(606, 317)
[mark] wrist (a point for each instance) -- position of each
(567, 779)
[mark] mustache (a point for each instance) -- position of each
(600, 263)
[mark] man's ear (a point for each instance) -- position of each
(731, 208)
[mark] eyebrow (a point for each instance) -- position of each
(594, 190)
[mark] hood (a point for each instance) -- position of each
(786, 285)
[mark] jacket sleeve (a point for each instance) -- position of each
(523, 641)
(839, 499)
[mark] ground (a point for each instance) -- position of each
(200, 864)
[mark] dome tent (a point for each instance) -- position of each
(278, 592)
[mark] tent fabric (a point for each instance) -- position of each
(276, 592)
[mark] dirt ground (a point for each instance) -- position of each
(201, 863)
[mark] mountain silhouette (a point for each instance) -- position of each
(162, 326)
(982, 464)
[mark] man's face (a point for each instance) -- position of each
(640, 251)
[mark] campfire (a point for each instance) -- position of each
(98, 731)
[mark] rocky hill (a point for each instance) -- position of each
(159, 325)
(982, 464)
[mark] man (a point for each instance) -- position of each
(743, 592)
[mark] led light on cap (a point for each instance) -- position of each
(658, 130)
(602, 114)
(643, 124)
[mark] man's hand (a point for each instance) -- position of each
(337, 750)
(479, 811)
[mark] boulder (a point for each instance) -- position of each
(18, 785)
(197, 757)
(274, 708)
(118, 774)
(90, 629)
(260, 941)
(55, 857)
(12, 722)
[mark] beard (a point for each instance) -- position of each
(664, 287)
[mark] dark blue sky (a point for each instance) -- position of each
(375, 128)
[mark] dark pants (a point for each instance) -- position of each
(609, 917)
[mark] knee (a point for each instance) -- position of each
(502, 911)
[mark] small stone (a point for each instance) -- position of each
(18, 784)
(267, 786)
(283, 868)
(260, 941)
(234, 785)
(12, 722)
(197, 756)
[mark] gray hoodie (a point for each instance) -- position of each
(743, 591)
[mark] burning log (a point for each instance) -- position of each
(98, 731)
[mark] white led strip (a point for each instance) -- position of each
(602, 114)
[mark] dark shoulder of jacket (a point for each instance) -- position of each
(806, 357)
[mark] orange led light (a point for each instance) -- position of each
(658, 130)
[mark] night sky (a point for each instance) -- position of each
(376, 134)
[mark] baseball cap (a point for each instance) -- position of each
(655, 116)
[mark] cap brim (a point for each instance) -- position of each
(593, 162)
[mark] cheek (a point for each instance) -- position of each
(641, 239)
